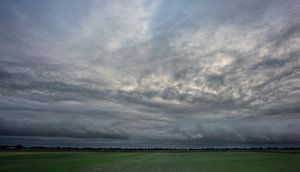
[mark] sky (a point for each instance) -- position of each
(149, 72)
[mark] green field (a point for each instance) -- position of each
(143, 161)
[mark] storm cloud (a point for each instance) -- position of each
(141, 71)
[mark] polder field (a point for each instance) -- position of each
(149, 161)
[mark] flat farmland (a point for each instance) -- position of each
(149, 161)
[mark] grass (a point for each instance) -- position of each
(153, 161)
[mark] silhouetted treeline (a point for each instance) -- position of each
(114, 149)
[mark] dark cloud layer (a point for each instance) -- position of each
(150, 72)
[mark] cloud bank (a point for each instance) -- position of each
(184, 72)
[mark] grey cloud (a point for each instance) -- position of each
(156, 71)
(54, 128)
(285, 109)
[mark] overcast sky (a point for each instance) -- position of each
(149, 72)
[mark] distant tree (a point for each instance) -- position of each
(19, 147)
